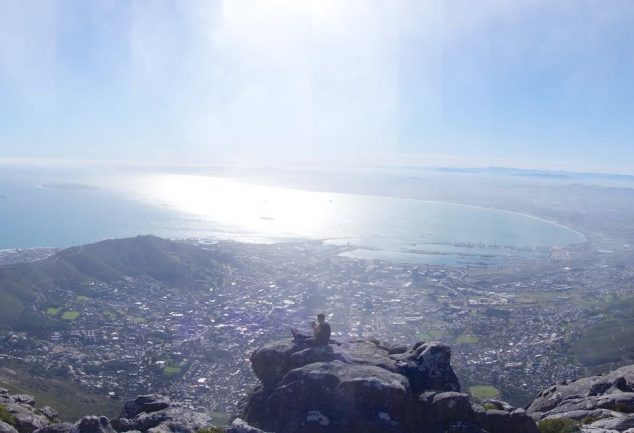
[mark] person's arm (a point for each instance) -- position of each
(316, 330)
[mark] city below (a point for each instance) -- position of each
(513, 329)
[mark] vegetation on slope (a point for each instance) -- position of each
(558, 425)
(24, 284)
(6, 416)
(71, 400)
(610, 342)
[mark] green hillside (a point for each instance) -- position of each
(70, 399)
(23, 285)
(610, 342)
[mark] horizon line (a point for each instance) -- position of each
(318, 166)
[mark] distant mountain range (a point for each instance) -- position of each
(22, 285)
(557, 174)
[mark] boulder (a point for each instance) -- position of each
(130, 409)
(356, 385)
(518, 421)
(92, 424)
(613, 391)
(145, 421)
(392, 349)
(144, 403)
(366, 352)
(63, 427)
(4, 396)
(427, 366)
(588, 429)
(152, 402)
(310, 355)
(608, 398)
(450, 406)
(338, 394)
(121, 424)
(50, 413)
(240, 426)
(24, 399)
(25, 420)
(171, 427)
(189, 418)
(479, 414)
(7, 428)
(579, 415)
(185, 418)
(499, 404)
(272, 361)
(620, 423)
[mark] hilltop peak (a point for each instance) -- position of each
(77, 269)
(162, 259)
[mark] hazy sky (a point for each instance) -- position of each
(496, 82)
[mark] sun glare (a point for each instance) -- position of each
(241, 206)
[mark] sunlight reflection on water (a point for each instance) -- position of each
(410, 230)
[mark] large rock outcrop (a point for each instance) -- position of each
(363, 386)
(604, 403)
(357, 386)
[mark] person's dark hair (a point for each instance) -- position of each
(321, 316)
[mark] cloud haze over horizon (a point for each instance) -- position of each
(492, 82)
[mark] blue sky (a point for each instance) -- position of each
(531, 83)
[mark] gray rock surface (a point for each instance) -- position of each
(359, 385)
(343, 394)
(171, 427)
(63, 427)
(428, 366)
(608, 398)
(144, 403)
(151, 413)
(156, 413)
(27, 420)
(50, 413)
(92, 424)
(612, 391)
(450, 406)
(579, 415)
(499, 404)
(518, 421)
(7, 428)
(620, 423)
(240, 426)
(25, 399)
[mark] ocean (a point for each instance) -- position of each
(37, 211)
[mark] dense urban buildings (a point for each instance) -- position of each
(511, 328)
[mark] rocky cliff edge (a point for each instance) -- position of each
(600, 404)
(357, 386)
(364, 386)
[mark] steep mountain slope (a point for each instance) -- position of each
(609, 343)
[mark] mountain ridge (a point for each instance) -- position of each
(75, 268)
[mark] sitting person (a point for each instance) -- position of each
(321, 333)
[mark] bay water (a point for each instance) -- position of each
(38, 212)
